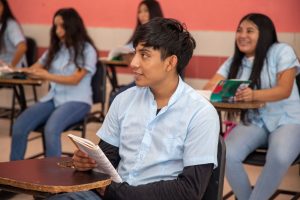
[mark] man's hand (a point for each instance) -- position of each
(82, 162)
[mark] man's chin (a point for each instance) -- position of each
(140, 84)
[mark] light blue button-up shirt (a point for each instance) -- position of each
(157, 147)
(13, 35)
(280, 57)
(62, 65)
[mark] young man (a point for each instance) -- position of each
(161, 135)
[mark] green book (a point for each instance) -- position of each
(225, 90)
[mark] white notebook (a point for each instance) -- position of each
(94, 151)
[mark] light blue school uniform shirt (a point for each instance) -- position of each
(280, 57)
(13, 35)
(156, 147)
(62, 64)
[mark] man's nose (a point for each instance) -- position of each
(134, 62)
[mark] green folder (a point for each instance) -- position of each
(225, 90)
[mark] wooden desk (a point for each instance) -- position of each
(111, 73)
(18, 93)
(17, 86)
(237, 106)
(48, 176)
(10, 82)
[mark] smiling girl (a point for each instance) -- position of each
(272, 67)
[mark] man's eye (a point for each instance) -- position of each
(144, 55)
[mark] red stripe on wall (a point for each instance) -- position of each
(201, 67)
(218, 15)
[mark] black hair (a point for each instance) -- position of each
(75, 35)
(170, 37)
(266, 38)
(6, 15)
(154, 11)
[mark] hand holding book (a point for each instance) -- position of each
(225, 90)
(94, 151)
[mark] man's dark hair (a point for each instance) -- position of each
(170, 37)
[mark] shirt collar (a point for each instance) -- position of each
(176, 95)
(247, 62)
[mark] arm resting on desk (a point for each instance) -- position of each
(37, 71)
(280, 91)
(211, 84)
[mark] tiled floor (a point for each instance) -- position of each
(291, 181)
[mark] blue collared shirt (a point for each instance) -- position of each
(62, 65)
(157, 147)
(13, 35)
(280, 57)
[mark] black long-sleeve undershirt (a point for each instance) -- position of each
(189, 185)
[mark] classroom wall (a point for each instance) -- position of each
(212, 23)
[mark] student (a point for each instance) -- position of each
(147, 9)
(12, 41)
(272, 67)
(161, 134)
(69, 65)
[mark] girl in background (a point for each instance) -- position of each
(69, 65)
(272, 67)
(12, 41)
(147, 10)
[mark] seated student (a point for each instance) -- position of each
(161, 134)
(272, 67)
(12, 41)
(147, 9)
(69, 65)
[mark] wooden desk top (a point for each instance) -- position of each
(8, 81)
(46, 175)
(238, 105)
(121, 63)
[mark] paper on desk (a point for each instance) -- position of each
(119, 51)
(94, 151)
(205, 93)
(6, 69)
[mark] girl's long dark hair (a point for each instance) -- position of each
(75, 36)
(6, 15)
(154, 11)
(267, 37)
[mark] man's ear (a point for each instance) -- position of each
(171, 62)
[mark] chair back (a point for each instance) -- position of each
(99, 84)
(214, 188)
(31, 53)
